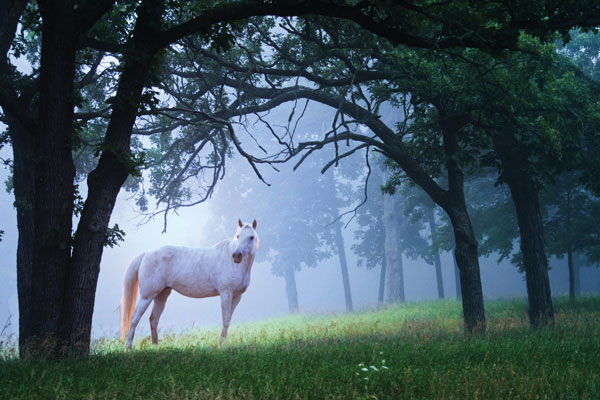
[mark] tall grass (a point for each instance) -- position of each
(416, 350)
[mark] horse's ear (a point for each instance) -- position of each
(254, 224)
(240, 223)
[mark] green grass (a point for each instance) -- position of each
(416, 350)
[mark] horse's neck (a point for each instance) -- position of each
(248, 262)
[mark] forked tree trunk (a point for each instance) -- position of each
(56, 276)
(393, 250)
(339, 240)
(291, 290)
(526, 201)
(436, 255)
(104, 183)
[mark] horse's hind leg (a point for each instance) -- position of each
(157, 309)
(137, 315)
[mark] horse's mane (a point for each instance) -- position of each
(222, 244)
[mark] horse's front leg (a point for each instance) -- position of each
(226, 310)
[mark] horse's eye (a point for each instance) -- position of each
(251, 237)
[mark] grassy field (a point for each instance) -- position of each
(410, 351)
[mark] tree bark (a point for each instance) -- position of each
(457, 278)
(291, 290)
(54, 173)
(466, 247)
(465, 252)
(526, 201)
(436, 255)
(393, 250)
(24, 190)
(339, 240)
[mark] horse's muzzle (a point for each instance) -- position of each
(237, 257)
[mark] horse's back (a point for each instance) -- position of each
(190, 271)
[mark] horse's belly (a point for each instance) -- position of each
(195, 292)
(196, 287)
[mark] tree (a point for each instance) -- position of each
(58, 275)
(320, 60)
(59, 272)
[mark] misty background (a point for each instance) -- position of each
(320, 289)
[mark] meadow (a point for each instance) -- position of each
(409, 351)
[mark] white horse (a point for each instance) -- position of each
(223, 269)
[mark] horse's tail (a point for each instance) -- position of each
(129, 294)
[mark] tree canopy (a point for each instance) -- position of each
(107, 74)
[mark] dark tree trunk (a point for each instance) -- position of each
(291, 290)
(54, 173)
(526, 201)
(339, 240)
(106, 180)
(24, 189)
(381, 283)
(467, 260)
(466, 248)
(571, 276)
(457, 278)
(436, 255)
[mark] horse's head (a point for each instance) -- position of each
(247, 241)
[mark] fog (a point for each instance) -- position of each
(320, 289)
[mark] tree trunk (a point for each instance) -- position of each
(436, 255)
(54, 173)
(290, 289)
(466, 248)
(457, 278)
(381, 283)
(339, 239)
(526, 201)
(393, 251)
(106, 180)
(577, 276)
(467, 260)
(24, 190)
(571, 276)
